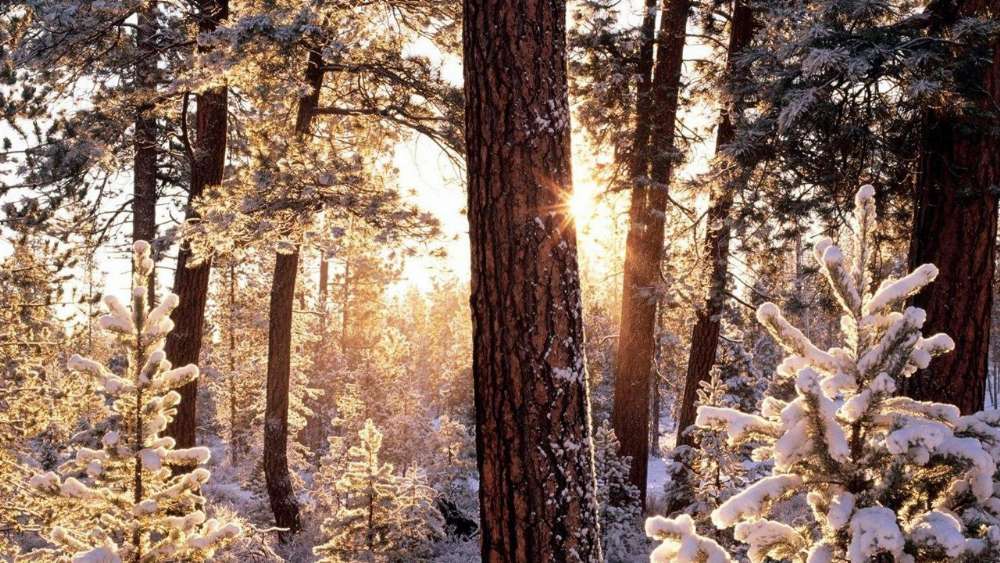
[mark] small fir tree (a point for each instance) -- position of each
(703, 477)
(136, 498)
(884, 476)
(618, 500)
(382, 516)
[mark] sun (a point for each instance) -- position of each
(582, 204)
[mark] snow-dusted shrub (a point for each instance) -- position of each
(883, 475)
(618, 499)
(137, 498)
(381, 516)
(703, 476)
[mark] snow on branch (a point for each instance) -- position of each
(681, 543)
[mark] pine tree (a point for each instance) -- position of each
(731, 180)
(382, 516)
(206, 159)
(705, 474)
(883, 475)
(653, 165)
(900, 94)
(132, 504)
(618, 499)
(532, 397)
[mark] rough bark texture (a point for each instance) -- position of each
(644, 245)
(279, 345)
(705, 334)
(191, 283)
(955, 228)
(533, 437)
(144, 160)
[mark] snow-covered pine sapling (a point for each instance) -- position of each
(382, 516)
(137, 495)
(883, 476)
(617, 499)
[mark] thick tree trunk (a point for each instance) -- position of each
(705, 334)
(191, 283)
(644, 247)
(533, 438)
(279, 344)
(955, 228)
(145, 143)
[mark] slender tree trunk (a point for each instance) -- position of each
(191, 282)
(955, 228)
(345, 310)
(144, 160)
(644, 247)
(533, 438)
(324, 284)
(705, 334)
(233, 445)
(313, 433)
(654, 414)
(279, 344)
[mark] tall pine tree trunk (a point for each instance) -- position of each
(191, 283)
(279, 344)
(955, 228)
(533, 440)
(144, 161)
(705, 334)
(644, 246)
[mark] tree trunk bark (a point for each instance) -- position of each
(705, 334)
(279, 345)
(955, 228)
(144, 160)
(533, 439)
(644, 247)
(279, 342)
(191, 283)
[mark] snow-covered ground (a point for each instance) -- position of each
(656, 476)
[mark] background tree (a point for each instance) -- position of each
(381, 515)
(207, 159)
(955, 209)
(731, 178)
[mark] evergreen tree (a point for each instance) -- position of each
(618, 499)
(654, 160)
(132, 503)
(883, 475)
(532, 397)
(899, 94)
(382, 516)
